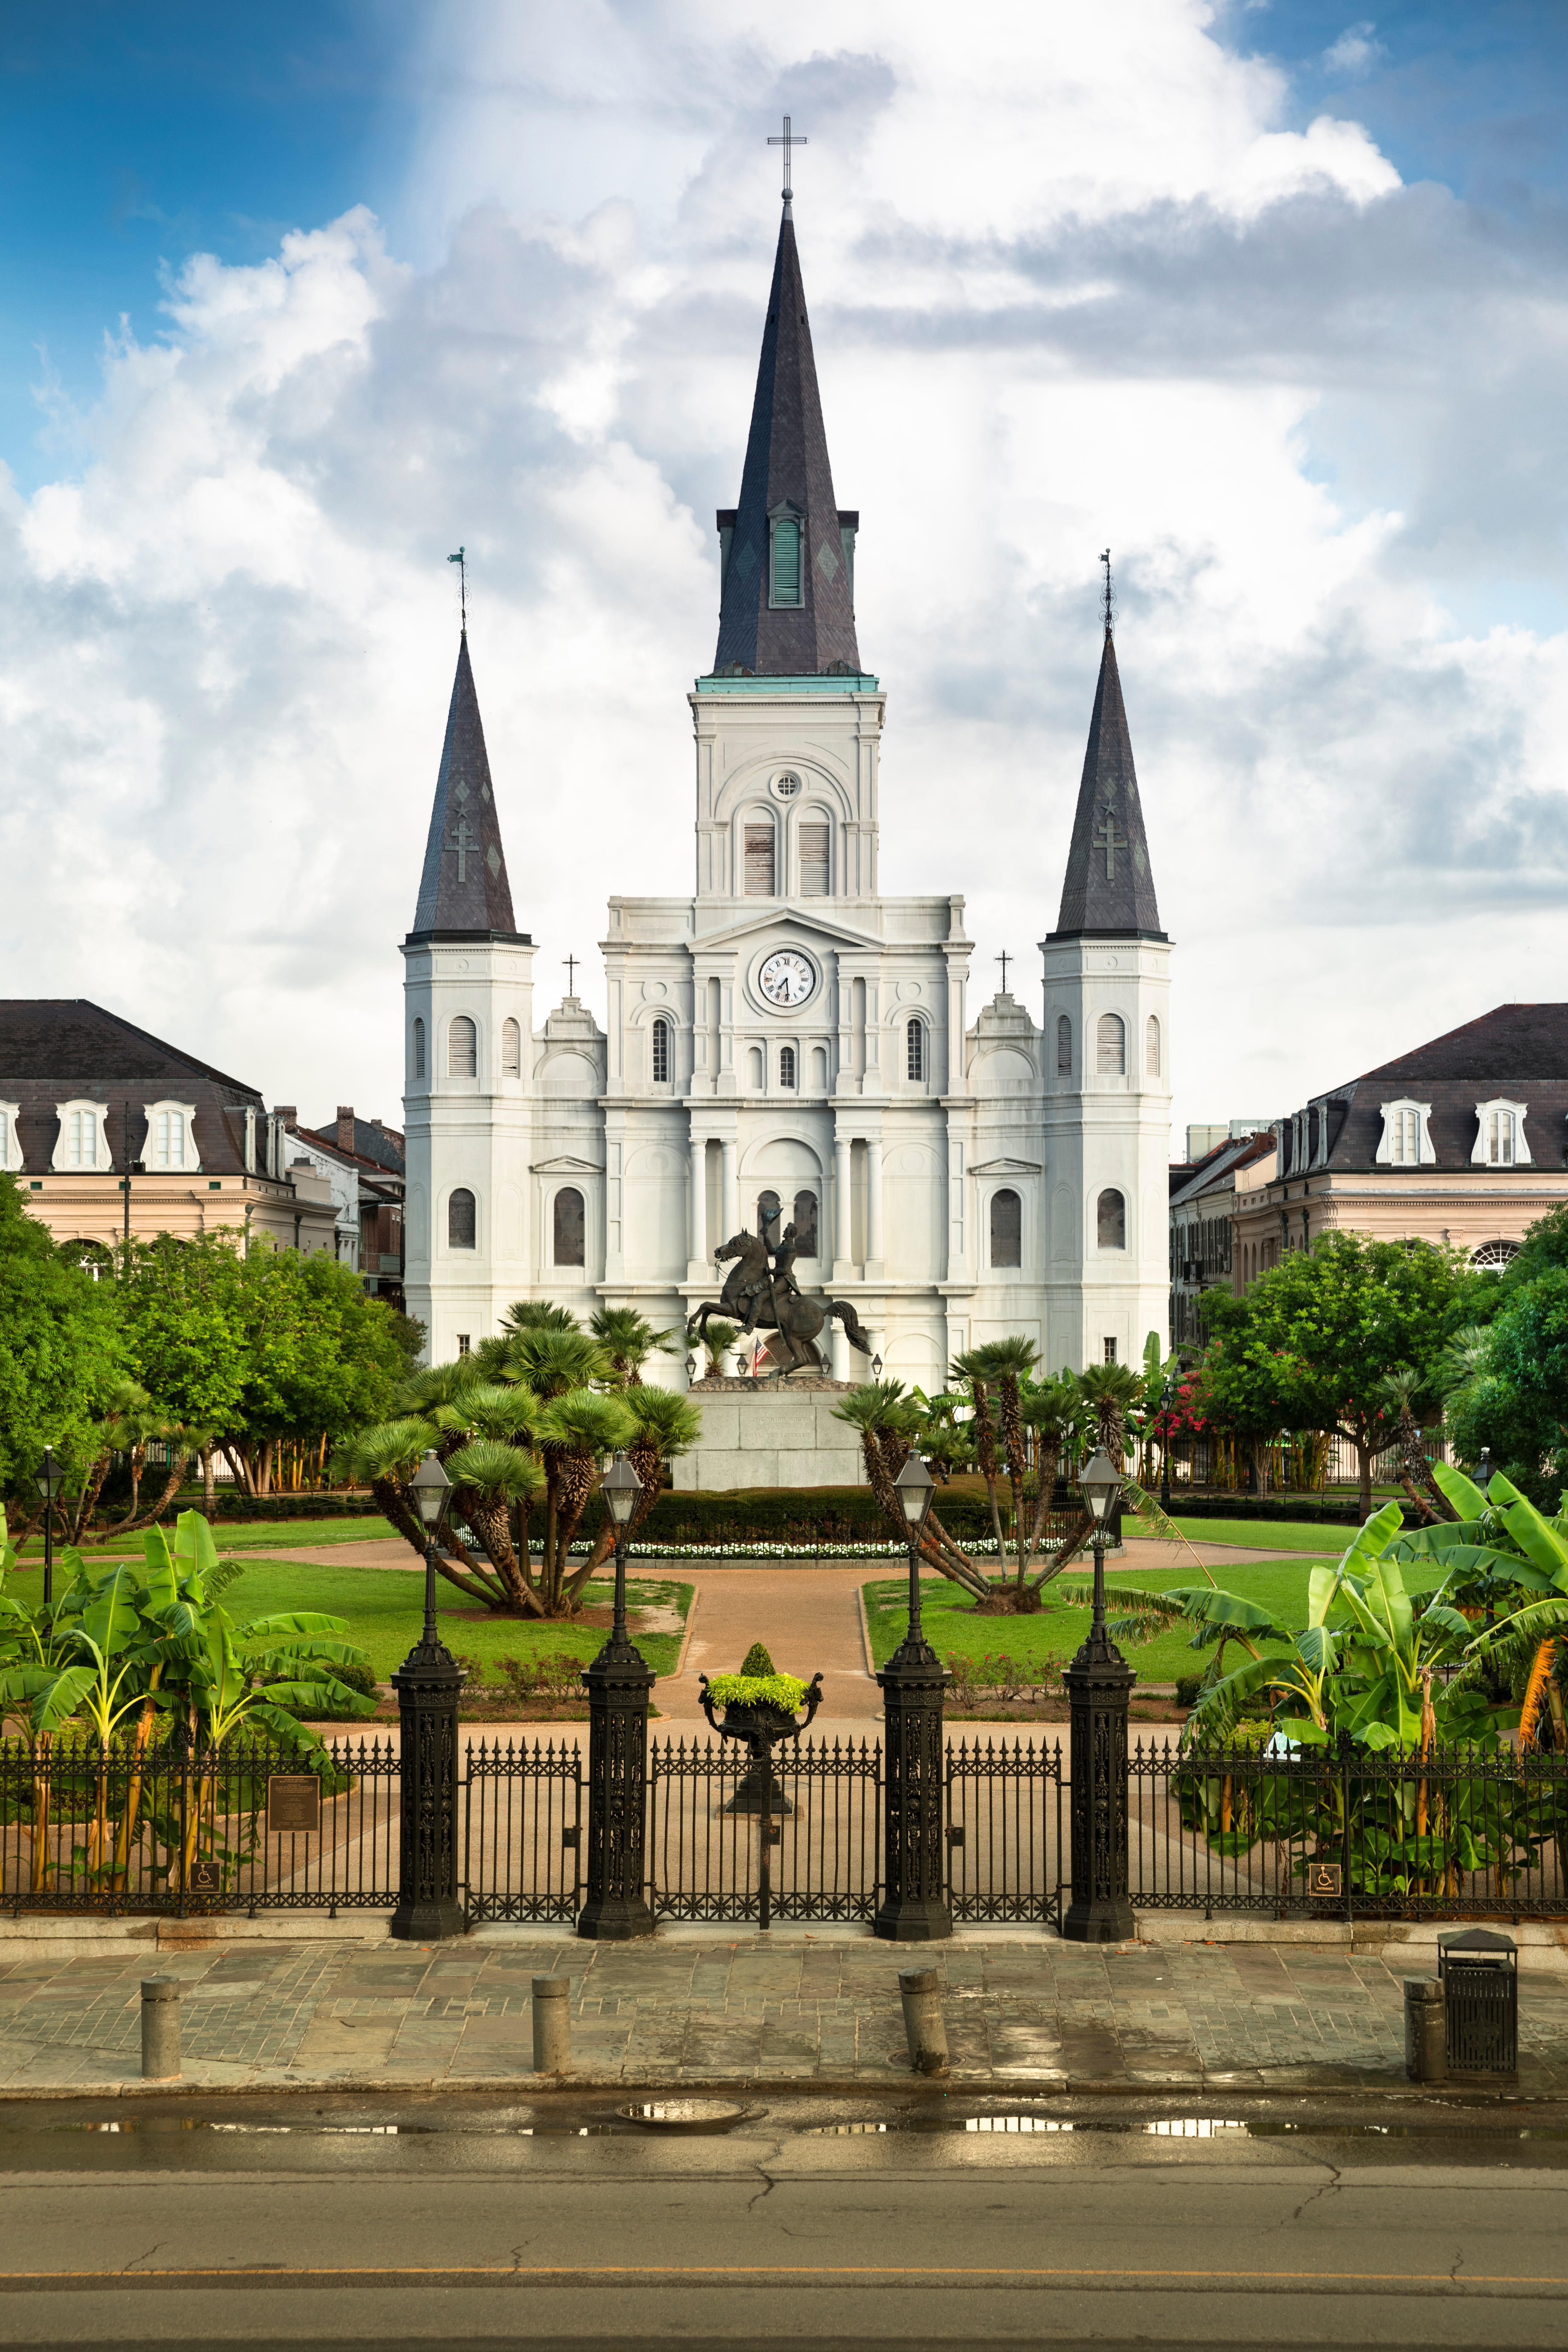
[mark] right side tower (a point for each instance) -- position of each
(1107, 974)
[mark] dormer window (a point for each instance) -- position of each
(1500, 1135)
(785, 538)
(1406, 1141)
(83, 1138)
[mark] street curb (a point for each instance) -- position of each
(691, 1622)
(864, 1632)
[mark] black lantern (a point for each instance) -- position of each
(619, 1683)
(50, 1478)
(1167, 1405)
(876, 1367)
(1099, 1683)
(427, 1684)
(914, 1907)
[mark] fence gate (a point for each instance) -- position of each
(706, 1822)
(522, 1831)
(1004, 1822)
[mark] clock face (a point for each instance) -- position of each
(787, 978)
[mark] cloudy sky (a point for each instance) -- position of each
(1271, 299)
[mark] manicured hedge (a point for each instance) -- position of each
(1307, 1514)
(801, 1515)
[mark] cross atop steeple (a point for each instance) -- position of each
(788, 142)
(1107, 595)
(571, 964)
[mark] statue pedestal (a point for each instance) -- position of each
(770, 1434)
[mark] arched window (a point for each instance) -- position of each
(661, 1052)
(768, 1218)
(461, 1226)
(786, 1066)
(1110, 1041)
(171, 1143)
(419, 1049)
(569, 1225)
(806, 1224)
(1492, 1256)
(786, 562)
(1007, 1229)
(462, 1049)
(1152, 1047)
(754, 1068)
(510, 1050)
(819, 1069)
(760, 859)
(915, 1062)
(1064, 1046)
(1111, 1220)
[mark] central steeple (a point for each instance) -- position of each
(787, 602)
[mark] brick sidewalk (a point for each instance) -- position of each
(1035, 2013)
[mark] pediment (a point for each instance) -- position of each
(783, 915)
(566, 1164)
(1006, 1167)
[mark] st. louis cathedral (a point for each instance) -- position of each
(787, 1045)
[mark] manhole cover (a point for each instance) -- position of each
(688, 2115)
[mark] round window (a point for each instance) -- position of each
(787, 785)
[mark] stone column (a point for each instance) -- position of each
(873, 1208)
(731, 1220)
(697, 1206)
(843, 1211)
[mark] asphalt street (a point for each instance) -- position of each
(915, 2220)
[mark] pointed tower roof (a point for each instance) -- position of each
(786, 469)
(1108, 892)
(464, 889)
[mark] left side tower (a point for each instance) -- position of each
(467, 1026)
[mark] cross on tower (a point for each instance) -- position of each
(462, 840)
(571, 964)
(788, 142)
(1111, 839)
(460, 559)
(1004, 960)
(1107, 595)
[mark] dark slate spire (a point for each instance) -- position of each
(1109, 891)
(786, 470)
(464, 888)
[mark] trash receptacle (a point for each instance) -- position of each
(1478, 1971)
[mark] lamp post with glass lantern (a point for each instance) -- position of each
(49, 1479)
(619, 1683)
(914, 1907)
(427, 1684)
(1098, 1682)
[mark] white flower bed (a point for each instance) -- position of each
(770, 1551)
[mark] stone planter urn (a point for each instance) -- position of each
(761, 1727)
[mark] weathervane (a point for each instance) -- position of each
(1108, 597)
(788, 142)
(461, 563)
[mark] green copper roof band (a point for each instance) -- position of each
(863, 684)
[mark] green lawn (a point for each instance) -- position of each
(951, 1623)
(1259, 1535)
(266, 1535)
(384, 1608)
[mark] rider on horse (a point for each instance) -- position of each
(766, 1286)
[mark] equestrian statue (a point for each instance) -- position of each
(761, 1294)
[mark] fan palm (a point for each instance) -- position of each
(1002, 1364)
(890, 1424)
(538, 1315)
(629, 1340)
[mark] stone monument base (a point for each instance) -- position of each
(770, 1434)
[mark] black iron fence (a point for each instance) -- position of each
(261, 1825)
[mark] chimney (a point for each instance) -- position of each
(288, 1113)
(345, 1127)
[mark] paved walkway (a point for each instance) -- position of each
(1031, 2013)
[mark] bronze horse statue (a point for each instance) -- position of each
(759, 1293)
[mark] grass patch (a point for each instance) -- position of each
(244, 1535)
(1260, 1535)
(952, 1624)
(385, 1609)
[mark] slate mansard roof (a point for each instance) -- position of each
(54, 1049)
(464, 892)
(1517, 1052)
(787, 464)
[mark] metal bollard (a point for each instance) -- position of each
(921, 1992)
(160, 2028)
(1425, 2058)
(552, 2024)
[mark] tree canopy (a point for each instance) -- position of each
(61, 1348)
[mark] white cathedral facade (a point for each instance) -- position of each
(787, 1044)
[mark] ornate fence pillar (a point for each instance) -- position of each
(619, 1682)
(914, 1908)
(427, 1684)
(1099, 1682)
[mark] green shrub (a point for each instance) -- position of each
(787, 1692)
(803, 1514)
(1187, 1689)
(757, 1661)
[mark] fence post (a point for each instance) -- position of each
(427, 1684)
(1099, 1682)
(914, 1907)
(619, 1684)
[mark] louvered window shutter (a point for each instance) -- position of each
(813, 861)
(786, 563)
(759, 861)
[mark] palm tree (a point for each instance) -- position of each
(718, 1338)
(970, 1369)
(664, 1425)
(629, 1340)
(538, 1315)
(1399, 1391)
(1113, 1391)
(1002, 1364)
(890, 1424)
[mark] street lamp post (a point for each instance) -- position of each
(1098, 1682)
(914, 1907)
(619, 1682)
(427, 1684)
(50, 1478)
(1166, 1402)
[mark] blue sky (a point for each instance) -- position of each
(1274, 299)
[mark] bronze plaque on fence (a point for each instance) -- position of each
(294, 1804)
(205, 1879)
(1324, 1879)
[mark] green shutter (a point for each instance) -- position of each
(786, 563)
